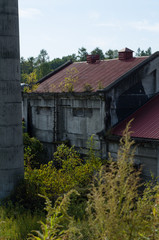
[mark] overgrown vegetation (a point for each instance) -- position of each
(71, 78)
(85, 199)
(116, 206)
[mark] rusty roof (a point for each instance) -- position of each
(97, 75)
(145, 122)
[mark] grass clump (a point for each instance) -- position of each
(16, 222)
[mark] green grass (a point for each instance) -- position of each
(16, 222)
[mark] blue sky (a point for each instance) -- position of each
(61, 27)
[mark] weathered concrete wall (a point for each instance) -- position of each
(59, 117)
(11, 149)
(146, 155)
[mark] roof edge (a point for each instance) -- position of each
(115, 138)
(55, 71)
(153, 56)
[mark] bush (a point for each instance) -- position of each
(72, 172)
(33, 151)
(67, 171)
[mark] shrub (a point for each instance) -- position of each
(71, 78)
(57, 225)
(72, 171)
(33, 151)
(87, 87)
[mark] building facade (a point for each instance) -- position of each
(126, 84)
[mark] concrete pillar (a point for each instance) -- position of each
(11, 147)
(157, 170)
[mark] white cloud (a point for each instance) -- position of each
(29, 13)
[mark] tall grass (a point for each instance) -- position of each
(16, 222)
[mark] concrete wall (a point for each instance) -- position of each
(146, 155)
(54, 118)
(11, 149)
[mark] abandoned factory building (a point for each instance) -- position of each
(99, 97)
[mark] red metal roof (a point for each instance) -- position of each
(102, 73)
(145, 123)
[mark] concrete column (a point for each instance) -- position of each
(11, 147)
(157, 170)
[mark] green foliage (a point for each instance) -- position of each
(117, 207)
(87, 87)
(26, 191)
(147, 52)
(71, 78)
(31, 80)
(118, 204)
(16, 223)
(67, 171)
(57, 220)
(110, 54)
(41, 65)
(100, 85)
(70, 171)
(33, 149)
(27, 67)
(82, 54)
(98, 51)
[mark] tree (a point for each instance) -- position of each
(140, 52)
(98, 51)
(43, 57)
(31, 80)
(27, 67)
(42, 64)
(110, 54)
(82, 54)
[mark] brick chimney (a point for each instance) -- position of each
(93, 58)
(125, 54)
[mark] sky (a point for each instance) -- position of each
(61, 27)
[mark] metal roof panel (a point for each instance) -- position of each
(145, 122)
(103, 73)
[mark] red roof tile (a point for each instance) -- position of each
(102, 73)
(145, 123)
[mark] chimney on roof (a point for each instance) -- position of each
(93, 58)
(125, 54)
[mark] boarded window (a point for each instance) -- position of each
(82, 112)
